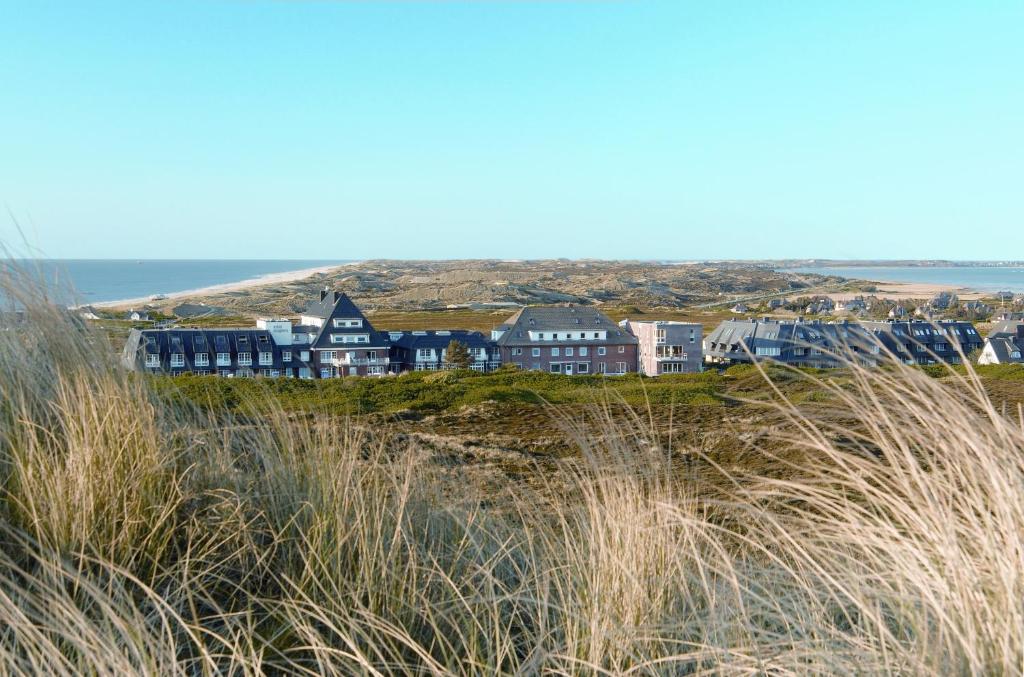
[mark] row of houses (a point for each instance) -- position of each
(334, 338)
(829, 344)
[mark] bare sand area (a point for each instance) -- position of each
(912, 290)
(268, 279)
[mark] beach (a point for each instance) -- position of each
(912, 290)
(241, 285)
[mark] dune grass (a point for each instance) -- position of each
(146, 536)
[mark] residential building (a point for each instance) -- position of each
(427, 350)
(797, 342)
(922, 342)
(341, 339)
(224, 352)
(667, 347)
(1004, 345)
(137, 315)
(739, 308)
(566, 340)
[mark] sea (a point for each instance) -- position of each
(84, 281)
(978, 278)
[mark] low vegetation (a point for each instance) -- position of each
(876, 528)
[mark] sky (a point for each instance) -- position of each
(644, 129)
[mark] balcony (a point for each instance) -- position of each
(346, 361)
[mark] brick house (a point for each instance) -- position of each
(566, 340)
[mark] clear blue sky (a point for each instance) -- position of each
(613, 128)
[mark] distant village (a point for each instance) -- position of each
(333, 338)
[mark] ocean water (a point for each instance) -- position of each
(980, 278)
(83, 281)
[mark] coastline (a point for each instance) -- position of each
(912, 290)
(269, 278)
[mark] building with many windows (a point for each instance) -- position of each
(667, 347)
(428, 350)
(795, 342)
(566, 340)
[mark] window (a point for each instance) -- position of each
(152, 360)
(340, 323)
(568, 352)
(768, 351)
(350, 338)
(602, 367)
(659, 336)
(304, 372)
(622, 367)
(325, 372)
(423, 353)
(519, 351)
(583, 351)
(304, 355)
(554, 352)
(286, 356)
(177, 360)
(266, 359)
(540, 336)
(556, 367)
(327, 355)
(582, 368)
(244, 359)
(601, 350)
(202, 372)
(223, 359)
(202, 359)
(374, 371)
(536, 352)
(622, 349)
(597, 334)
(265, 373)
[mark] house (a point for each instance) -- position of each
(897, 312)
(739, 308)
(922, 342)
(667, 347)
(137, 316)
(427, 350)
(774, 304)
(341, 339)
(798, 343)
(944, 301)
(224, 352)
(1004, 345)
(820, 305)
(852, 306)
(977, 308)
(566, 340)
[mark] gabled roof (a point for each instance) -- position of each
(434, 339)
(562, 319)
(337, 305)
(1004, 346)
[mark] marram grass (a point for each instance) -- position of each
(141, 537)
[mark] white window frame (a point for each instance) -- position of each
(202, 359)
(153, 360)
(583, 351)
(286, 356)
(244, 359)
(536, 352)
(266, 359)
(177, 359)
(601, 350)
(568, 351)
(554, 351)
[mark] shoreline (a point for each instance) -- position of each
(912, 290)
(240, 285)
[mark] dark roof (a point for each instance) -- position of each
(562, 319)
(1003, 346)
(337, 305)
(164, 342)
(434, 339)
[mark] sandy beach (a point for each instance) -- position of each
(912, 290)
(270, 278)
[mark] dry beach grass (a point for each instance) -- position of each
(140, 537)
